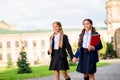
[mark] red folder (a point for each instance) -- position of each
(95, 39)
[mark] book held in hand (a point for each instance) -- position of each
(95, 39)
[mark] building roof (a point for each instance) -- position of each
(6, 31)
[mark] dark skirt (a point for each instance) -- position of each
(86, 64)
(58, 63)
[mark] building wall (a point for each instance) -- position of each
(113, 21)
(36, 45)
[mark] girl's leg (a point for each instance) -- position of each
(57, 74)
(92, 77)
(65, 74)
(86, 77)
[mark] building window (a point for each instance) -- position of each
(8, 44)
(43, 43)
(0, 44)
(17, 43)
(0, 56)
(34, 43)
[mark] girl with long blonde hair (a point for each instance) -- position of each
(59, 43)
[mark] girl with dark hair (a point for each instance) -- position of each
(87, 54)
(58, 45)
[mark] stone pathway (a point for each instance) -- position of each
(111, 72)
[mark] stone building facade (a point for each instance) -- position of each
(113, 23)
(36, 44)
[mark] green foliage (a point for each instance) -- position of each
(103, 50)
(107, 51)
(74, 47)
(110, 51)
(9, 62)
(22, 64)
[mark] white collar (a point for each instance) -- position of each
(89, 32)
(57, 34)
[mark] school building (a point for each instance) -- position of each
(36, 44)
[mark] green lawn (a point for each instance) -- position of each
(39, 71)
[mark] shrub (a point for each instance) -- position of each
(107, 51)
(23, 66)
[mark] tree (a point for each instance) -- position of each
(23, 66)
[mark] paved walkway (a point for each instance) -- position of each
(111, 72)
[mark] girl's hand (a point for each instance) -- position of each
(74, 60)
(50, 50)
(90, 48)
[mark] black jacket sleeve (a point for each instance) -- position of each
(68, 46)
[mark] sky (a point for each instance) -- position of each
(40, 14)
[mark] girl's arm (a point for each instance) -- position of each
(49, 51)
(77, 53)
(75, 58)
(68, 47)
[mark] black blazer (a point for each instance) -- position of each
(93, 54)
(65, 50)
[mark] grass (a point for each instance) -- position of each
(101, 64)
(39, 71)
(11, 74)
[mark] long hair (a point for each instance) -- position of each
(83, 31)
(61, 34)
